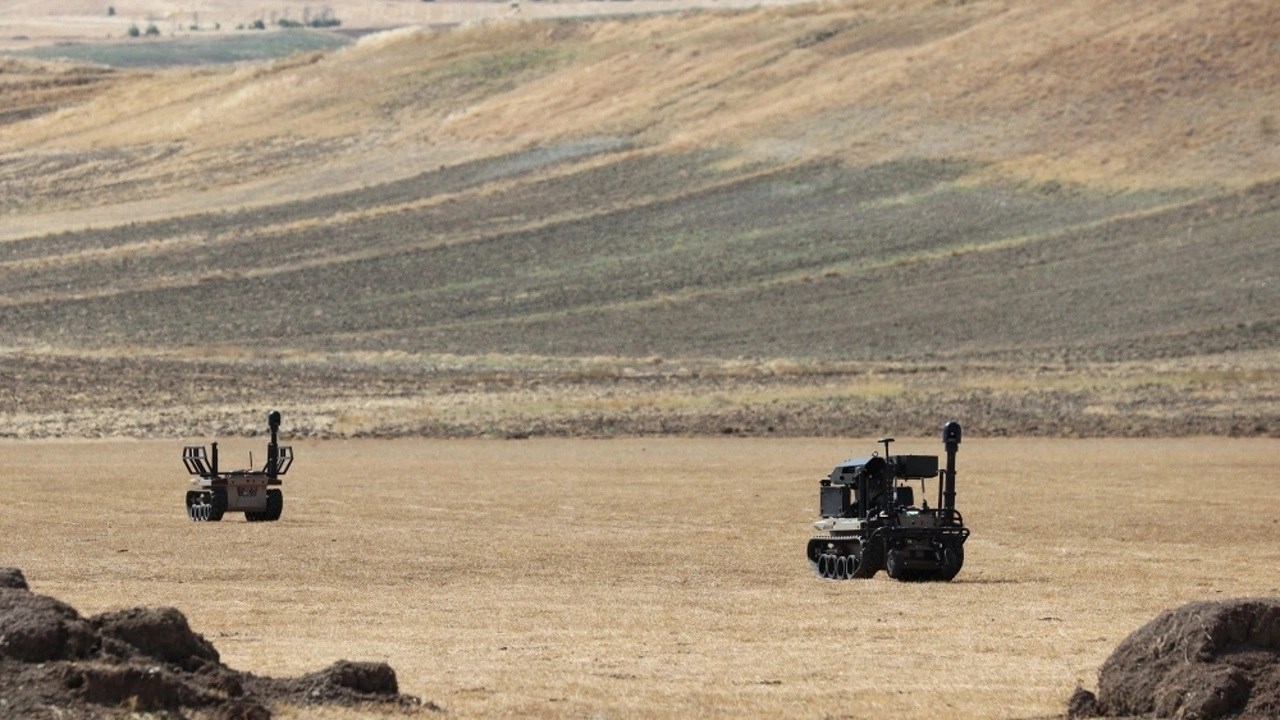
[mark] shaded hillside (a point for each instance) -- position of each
(634, 254)
(1011, 183)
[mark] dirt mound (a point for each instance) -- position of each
(333, 684)
(161, 633)
(12, 578)
(36, 628)
(148, 659)
(1203, 660)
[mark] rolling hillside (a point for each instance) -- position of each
(976, 194)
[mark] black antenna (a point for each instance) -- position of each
(951, 442)
(273, 447)
(886, 442)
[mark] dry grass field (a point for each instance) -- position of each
(654, 577)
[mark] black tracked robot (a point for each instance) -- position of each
(872, 523)
(256, 493)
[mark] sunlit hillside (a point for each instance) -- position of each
(911, 182)
(1112, 93)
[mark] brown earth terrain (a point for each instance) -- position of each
(53, 662)
(1208, 659)
(815, 219)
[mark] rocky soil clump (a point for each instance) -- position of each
(55, 663)
(1201, 661)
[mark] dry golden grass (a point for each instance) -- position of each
(1113, 95)
(654, 578)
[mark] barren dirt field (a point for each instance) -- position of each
(654, 577)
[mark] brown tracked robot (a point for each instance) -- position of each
(256, 493)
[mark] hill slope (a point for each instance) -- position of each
(909, 182)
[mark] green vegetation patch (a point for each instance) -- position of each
(214, 50)
(496, 71)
